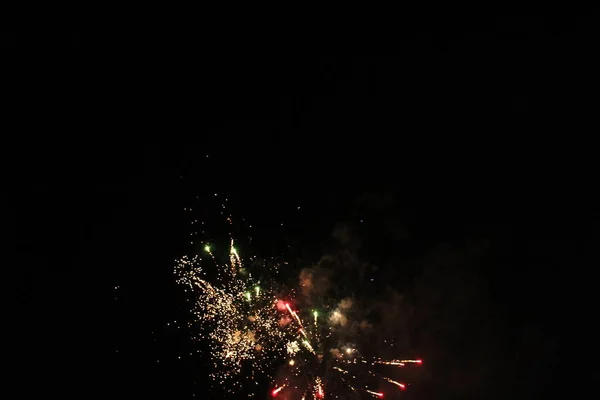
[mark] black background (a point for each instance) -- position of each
(482, 134)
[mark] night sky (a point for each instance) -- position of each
(459, 164)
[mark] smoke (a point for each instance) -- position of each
(390, 317)
(365, 325)
(370, 313)
(337, 318)
(424, 295)
(345, 304)
(315, 282)
(346, 236)
(337, 274)
(336, 281)
(336, 353)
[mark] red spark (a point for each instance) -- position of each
(281, 305)
(275, 392)
(320, 394)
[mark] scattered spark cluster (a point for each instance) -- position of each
(253, 326)
(236, 315)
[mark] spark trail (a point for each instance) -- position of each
(309, 362)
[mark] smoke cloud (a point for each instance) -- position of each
(315, 282)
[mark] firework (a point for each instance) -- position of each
(316, 364)
(249, 324)
(236, 315)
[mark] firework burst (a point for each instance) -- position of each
(235, 314)
(314, 365)
(253, 326)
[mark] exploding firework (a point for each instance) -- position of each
(253, 325)
(235, 314)
(313, 364)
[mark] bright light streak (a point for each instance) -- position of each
(308, 346)
(275, 392)
(320, 393)
(402, 386)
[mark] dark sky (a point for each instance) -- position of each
(462, 160)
